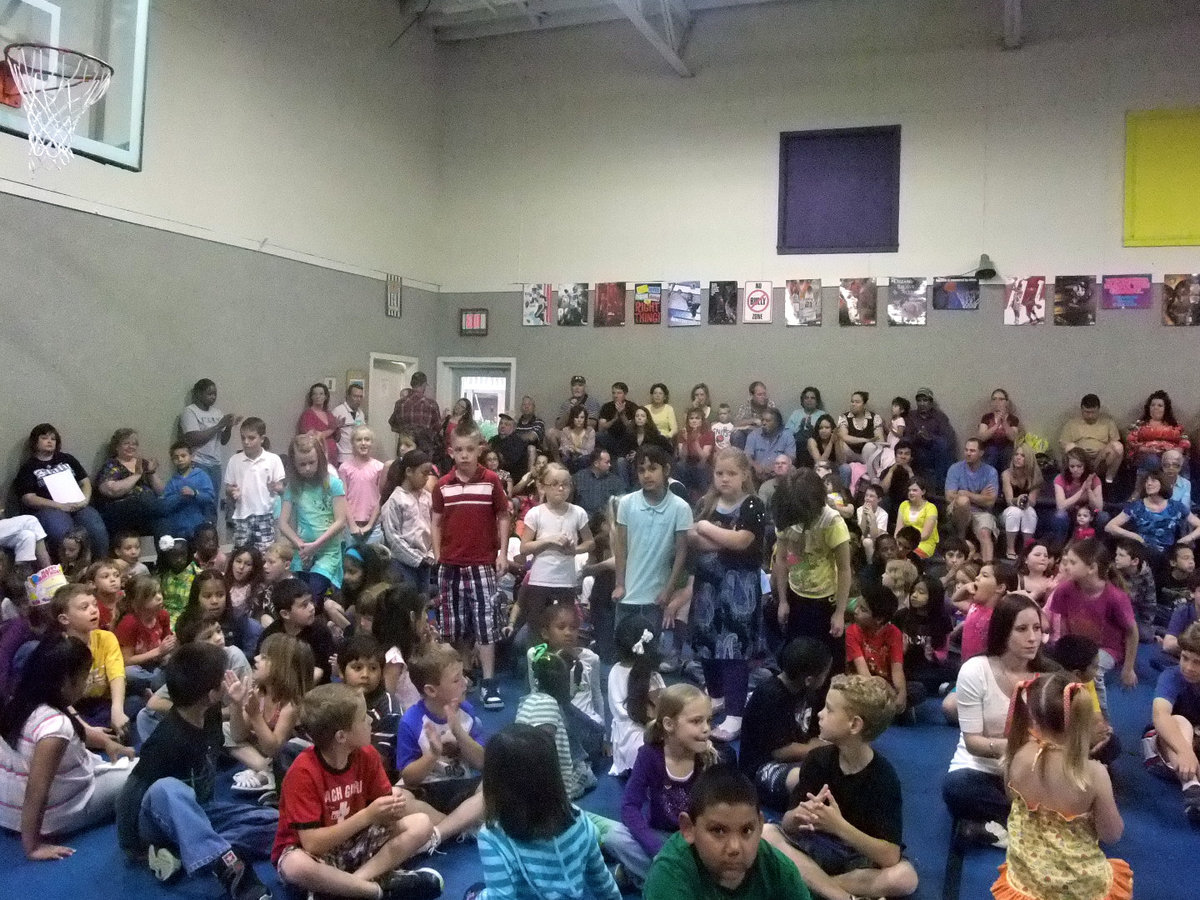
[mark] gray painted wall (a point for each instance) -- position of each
(961, 355)
(108, 324)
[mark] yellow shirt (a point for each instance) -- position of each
(917, 521)
(810, 554)
(664, 420)
(107, 662)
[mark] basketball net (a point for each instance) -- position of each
(57, 87)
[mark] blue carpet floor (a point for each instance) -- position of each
(1163, 850)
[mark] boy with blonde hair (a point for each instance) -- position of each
(343, 828)
(845, 827)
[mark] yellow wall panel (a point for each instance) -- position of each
(1162, 178)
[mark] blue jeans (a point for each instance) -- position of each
(978, 796)
(624, 848)
(414, 576)
(170, 814)
(57, 523)
(138, 678)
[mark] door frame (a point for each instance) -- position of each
(412, 362)
(447, 365)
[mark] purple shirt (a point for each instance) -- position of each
(13, 634)
(649, 783)
(1105, 619)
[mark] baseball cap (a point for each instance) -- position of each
(41, 586)
(578, 379)
(925, 392)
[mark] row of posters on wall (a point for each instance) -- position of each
(906, 301)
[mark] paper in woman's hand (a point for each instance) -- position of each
(63, 488)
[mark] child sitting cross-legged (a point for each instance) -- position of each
(344, 830)
(1062, 802)
(845, 826)
(265, 712)
(559, 625)
(167, 804)
(535, 843)
(779, 729)
(360, 662)
(719, 851)
(1171, 745)
(103, 703)
(144, 633)
(1080, 657)
(874, 646)
(439, 744)
(545, 707)
(634, 684)
(677, 749)
(296, 615)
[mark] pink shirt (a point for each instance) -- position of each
(361, 479)
(1106, 618)
(975, 631)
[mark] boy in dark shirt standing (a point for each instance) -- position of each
(844, 829)
(168, 799)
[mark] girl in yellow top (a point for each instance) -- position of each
(921, 515)
(74, 609)
(661, 411)
(810, 573)
(1062, 802)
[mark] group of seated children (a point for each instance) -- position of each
(329, 684)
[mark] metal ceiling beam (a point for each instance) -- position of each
(633, 11)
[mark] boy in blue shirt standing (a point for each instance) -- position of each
(651, 541)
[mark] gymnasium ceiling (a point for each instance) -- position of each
(663, 24)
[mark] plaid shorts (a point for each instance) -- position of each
(258, 531)
(467, 607)
(350, 855)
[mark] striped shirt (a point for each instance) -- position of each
(73, 783)
(566, 866)
(538, 709)
(468, 510)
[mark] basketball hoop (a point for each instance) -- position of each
(57, 86)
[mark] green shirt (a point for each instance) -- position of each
(678, 874)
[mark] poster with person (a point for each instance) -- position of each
(908, 302)
(802, 302)
(857, 299)
(1075, 300)
(535, 308)
(1025, 300)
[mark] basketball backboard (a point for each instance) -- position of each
(113, 30)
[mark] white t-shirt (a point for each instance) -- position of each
(627, 735)
(196, 419)
(983, 710)
(346, 421)
(555, 568)
(252, 476)
(73, 783)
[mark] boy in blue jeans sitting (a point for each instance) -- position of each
(168, 799)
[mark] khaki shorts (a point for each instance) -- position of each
(983, 521)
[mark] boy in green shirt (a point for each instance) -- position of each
(719, 851)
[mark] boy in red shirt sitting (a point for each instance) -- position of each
(874, 646)
(343, 830)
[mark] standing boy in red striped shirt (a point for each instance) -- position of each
(470, 537)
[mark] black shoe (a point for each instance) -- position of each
(971, 833)
(413, 884)
(238, 879)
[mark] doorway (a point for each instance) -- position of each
(388, 375)
(488, 382)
